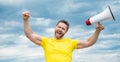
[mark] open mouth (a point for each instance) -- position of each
(59, 32)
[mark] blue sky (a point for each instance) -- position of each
(15, 47)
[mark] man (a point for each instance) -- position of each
(59, 49)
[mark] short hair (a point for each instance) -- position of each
(63, 21)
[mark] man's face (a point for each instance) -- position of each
(60, 30)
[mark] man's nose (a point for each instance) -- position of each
(60, 29)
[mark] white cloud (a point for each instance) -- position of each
(15, 40)
(19, 51)
(10, 25)
(7, 38)
(108, 44)
(69, 6)
(11, 2)
(110, 36)
(91, 13)
(97, 57)
(22, 40)
(22, 47)
(40, 21)
(113, 5)
(7, 52)
(49, 32)
(79, 32)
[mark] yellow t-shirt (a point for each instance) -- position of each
(58, 50)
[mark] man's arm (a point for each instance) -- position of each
(91, 40)
(28, 31)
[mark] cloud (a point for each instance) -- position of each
(11, 2)
(49, 31)
(96, 57)
(21, 48)
(79, 32)
(5, 36)
(110, 36)
(41, 21)
(11, 25)
(69, 7)
(19, 52)
(4, 52)
(102, 51)
(113, 5)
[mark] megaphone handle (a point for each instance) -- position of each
(95, 24)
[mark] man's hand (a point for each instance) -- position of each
(26, 15)
(99, 27)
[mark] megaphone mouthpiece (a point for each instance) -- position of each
(88, 22)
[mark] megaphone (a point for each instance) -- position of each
(105, 15)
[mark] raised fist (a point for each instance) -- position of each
(25, 15)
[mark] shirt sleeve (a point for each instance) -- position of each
(44, 39)
(74, 43)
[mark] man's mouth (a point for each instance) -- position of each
(59, 32)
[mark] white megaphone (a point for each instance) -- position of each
(105, 15)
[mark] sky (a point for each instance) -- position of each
(15, 47)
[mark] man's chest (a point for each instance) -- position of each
(58, 47)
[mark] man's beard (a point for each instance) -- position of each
(58, 36)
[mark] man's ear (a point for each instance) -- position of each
(66, 31)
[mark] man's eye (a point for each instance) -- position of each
(63, 28)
